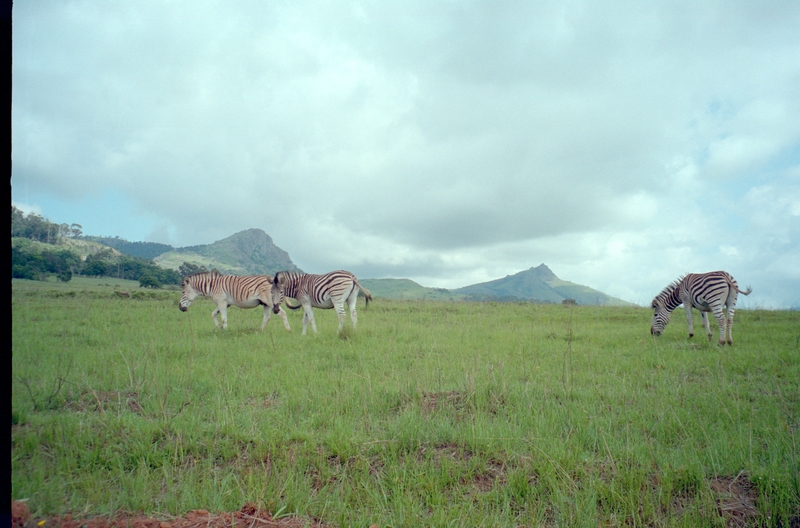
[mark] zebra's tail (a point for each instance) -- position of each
(366, 292)
(748, 291)
(286, 302)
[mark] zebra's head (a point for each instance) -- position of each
(661, 317)
(189, 294)
(663, 304)
(276, 291)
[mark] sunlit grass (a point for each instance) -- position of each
(429, 413)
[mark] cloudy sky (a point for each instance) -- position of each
(451, 142)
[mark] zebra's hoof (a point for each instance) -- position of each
(691, 336)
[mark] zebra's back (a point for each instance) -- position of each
(706, 289)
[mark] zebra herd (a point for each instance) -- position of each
(714, 292)
(330, 290)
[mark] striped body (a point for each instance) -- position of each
(330, 290)
(244, 291)
(707, 292)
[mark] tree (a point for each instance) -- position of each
(23, 272)
(64, 230)
(65, 276)
(17, 222)
(187, 269)
(76, 230)
(148, 281)
(96, 268)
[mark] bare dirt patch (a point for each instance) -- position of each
(736, 500)
(249, 516)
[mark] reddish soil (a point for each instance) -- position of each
(249, 516)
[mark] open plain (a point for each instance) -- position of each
(430, 413)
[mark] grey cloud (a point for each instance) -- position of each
(417, 137)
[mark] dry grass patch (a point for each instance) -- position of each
(736, 500)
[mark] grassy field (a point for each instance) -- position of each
(429, 414)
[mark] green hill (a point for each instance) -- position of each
(145, 250)
(252, 252)
(249, 252)
(407, 289)
(538, 284)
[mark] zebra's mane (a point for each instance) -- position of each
(199, 273)
(287, 273)
(666, 292)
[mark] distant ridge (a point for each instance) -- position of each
(407, 289)
(250, 252)
(538, 284)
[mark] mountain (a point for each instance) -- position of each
(538, 284)
(252, 252)
(407, 289)
(249, 252)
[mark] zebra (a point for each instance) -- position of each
(244, 291)
(330, 290)
(706, 292)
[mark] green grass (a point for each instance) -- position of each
(430, 413)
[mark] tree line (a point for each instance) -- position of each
(39, 261)
(36, 227)
(146, 250)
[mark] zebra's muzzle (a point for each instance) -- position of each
(654, 332)
(276, 308)
(182, 307)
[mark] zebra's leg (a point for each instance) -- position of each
(266, 317)
(308, 315)
(721, 321)
(689, 319)
(223, 312)
(704, 315)
(340, 314)
(352, 301)
(282, 315)
(730, 325)
(353, 314)
(731, 308)
(214, 316)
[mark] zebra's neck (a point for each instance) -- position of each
(672, 299)
(292, 281)
(669, 297)
(205, 282)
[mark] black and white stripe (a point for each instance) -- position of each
(330, 290)
(244, 291)
(706, 292)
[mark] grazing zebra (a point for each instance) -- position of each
(706, 292)
(330, 290)
(244, 291)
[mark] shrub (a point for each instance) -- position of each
(148, 281)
